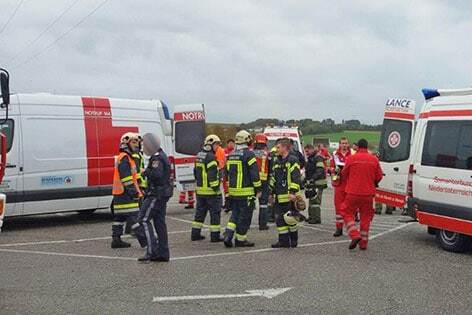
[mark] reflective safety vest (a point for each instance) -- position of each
(206, 174)
(262, 157)
(139, 160)
(121, 200)
(243, 174)
(285, 178)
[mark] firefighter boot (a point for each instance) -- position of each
(293, 239)
(196, 236)
(284, 241)
(228, 240)
(216, 238)
(116, 232)
(118, 243)
(314, 212)
(243, 243)
(339, 232)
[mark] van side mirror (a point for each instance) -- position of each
(5, 87)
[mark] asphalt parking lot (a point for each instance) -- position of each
(64, 264)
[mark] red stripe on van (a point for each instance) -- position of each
(399, 115)
(185, 160)
(102, 140)
(390, 198)
(444, 223)
(447, 113)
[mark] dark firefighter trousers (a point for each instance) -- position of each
(207, 204)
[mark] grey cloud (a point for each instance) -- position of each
(247, 59)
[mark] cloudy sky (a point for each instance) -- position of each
(243, 59)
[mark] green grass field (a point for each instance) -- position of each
(373, 137)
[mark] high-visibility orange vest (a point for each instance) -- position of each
(118, 187)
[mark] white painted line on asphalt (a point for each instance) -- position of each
(64, 254)
(267, 293)
(314, 228)
(199, 256)
(390, 231)
(77, 240)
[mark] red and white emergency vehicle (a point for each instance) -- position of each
(293, 133)
(395, 151)
(61, 149)
(440, 182)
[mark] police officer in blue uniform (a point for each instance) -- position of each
(158, 192)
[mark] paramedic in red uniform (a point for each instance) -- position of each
(339, 183)
(230, 144)
(363, 174)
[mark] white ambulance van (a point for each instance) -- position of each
(293, 133)
(61, 149)
(440, 183)
(189, 134)
(395, 151)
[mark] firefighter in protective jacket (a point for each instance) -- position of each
(244, 187)
(262, 156)
(315, 177)
(126, 191)
(208, 191)
(285, 187)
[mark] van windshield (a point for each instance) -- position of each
(395, 140)
(189, 136)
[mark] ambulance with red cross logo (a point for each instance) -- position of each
(395, 151)
(440, 174)
(61, 149)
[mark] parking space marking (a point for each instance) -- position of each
(253, 251)
(79, 240)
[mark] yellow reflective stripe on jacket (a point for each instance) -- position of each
(126, 179)
(294, 186)
(215, 183)
(283, 198)
(320, 164)
(241, 192)
(126, 205)
(212, 163)
(283, 229)
(206, 191)
(251, 161)
(239, 171)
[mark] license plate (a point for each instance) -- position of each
(189, 186)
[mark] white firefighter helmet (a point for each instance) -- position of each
(211, 139)
(243, 137)
(151, 144)
(290, 219)
(127, 137)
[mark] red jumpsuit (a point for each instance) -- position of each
(362, 172)
(338, 160)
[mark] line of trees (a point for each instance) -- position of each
(310, 126)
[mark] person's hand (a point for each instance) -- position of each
(271, 199)
(292, 197)
(258, 195)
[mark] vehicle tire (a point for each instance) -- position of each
(432, 231)
(87, 212)
(453, 242)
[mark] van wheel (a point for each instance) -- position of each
(86, 212)
(453, 242)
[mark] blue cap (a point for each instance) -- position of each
(430, 93)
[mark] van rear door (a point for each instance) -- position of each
(395, 151)
(189, 134)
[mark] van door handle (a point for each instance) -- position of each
(396, 169)
(10, 166)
